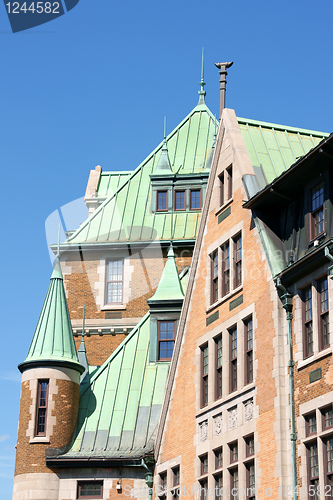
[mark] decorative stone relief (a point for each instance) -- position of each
(217, 425)
(203, 430)
(248, 410)
(233, 418)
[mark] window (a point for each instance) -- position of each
(203, 489)
(250, 481)
(218, 487)
(317, 210)
(313, 466)
(218, 372)
(225, 269)
(324, 335)
(163, 483)
(221, 188)
(115, 282)
(41, 412)
(214, 275)
(248, 343)
(234, 484)
(179, 200)
(233, 359)
(328, 463)
(218, 458)
(204, 464)
(229, 182)
(249, 441)
(327, 414)
(162, 200)
(307, 322)
(166, 339)
(310, 424)
(204, 375)
(238, 260)
(195, 199)
(176, 476)
(90, 489)
(233, 452)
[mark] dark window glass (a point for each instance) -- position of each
(248, 325)
(249, 446)
(204, 375)
(162, 197)
(218, 357)
(215, 276)
(218, 487)
(328, 417)
(42, 392)
(221, 179)
(176, 476)
(204, 464)
(313, 463)
(115, 282)
(229, 182)
(317, 209)
(324, 333)
(233, 452)
(234, 493)
(218, 458)
(203, 489)
(195, 196)
(90, 489)
(225, 268)
(180, 200)
(233, 359)
(308, 330)
(166, 339)
(238, 260)
(250, 481)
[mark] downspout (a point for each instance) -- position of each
(149, 475)
(287, 305)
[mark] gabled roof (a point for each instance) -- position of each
(126, 215)
(53, 343)
(274, 148)
(119, 410)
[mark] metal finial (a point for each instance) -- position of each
(215, 131)
(164, 127)
(84, 315)
(58, 248)
(202, 84)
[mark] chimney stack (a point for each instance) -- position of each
(223, 82)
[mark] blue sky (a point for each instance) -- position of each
(93, 86)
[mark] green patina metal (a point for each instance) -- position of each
(53, 342)
(126, 214)
(170, 287)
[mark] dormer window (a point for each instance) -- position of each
(195, 199)
(180, 200)
(317, 210)
(162, 200)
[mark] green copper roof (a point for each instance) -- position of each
(119, 410)
(109, 182)
(169, 287)
(274, 148)
(53, 341)
(163, 166)
(126, 215)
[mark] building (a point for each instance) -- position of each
(213, 252)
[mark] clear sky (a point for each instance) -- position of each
(93, 86)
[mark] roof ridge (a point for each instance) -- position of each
(281, 127)
(116, 351)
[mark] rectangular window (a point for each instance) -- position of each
(313, 462)
(250, 481)
(234, 484)
(195, 199)
(221, 188)
(41, 411)
(307, 322)
(233, 359)
(248, 342)
(90, 489)
(327, 414)
(179, 200)
(203, 489)
(237, 260)
(233, 452)
(176, 476)
(310, 424)
(317, 210)
(204, 464)
(225, 269)
(324, 334)
(218, 487)
(218, 372)
(204, 375)
(215, 276)
(115, 282)
(162, 200)
(229, 182)
(328, 465)
(166, 339)
(163, 481)
(249, 445)
(218, 458)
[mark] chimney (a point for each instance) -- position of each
(223, 82)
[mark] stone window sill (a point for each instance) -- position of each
(224, 400)
(225, 298)
(40, 439)
(113, 307)
(315, 357)
(223, 207)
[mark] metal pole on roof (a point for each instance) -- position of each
(223, 82)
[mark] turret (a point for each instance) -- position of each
(49, 395)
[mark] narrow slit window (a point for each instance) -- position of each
(218, 374)
(248, 326)
(307, 322)
(233, 359)
(324, 333)
(215, 276)
(225, 269)
(204, 375)
(42, 396)
(317, 210)
(238, 260)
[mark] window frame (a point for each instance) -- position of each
(233, 382)
(218, 346)
(200, 204)
(159, 340)
(214, 266)
(221, 188)
(232, 446)
(81, 483)
(204, 368)
(248, 351)
(237, 258)
(248, 465)
(158, 192)
(323, 417)
(226, 281)
(175, 200)
(312, 479)
(322, 315)
(217, 479)
(307, 322)
(328, 474)
(248, 451)
(40, 407)
(203, 464)
(176, 473)
(217, 452)
(316, 210)
(232, 473)
(229, 182)
(108, 262)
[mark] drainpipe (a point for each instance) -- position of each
(149, 475)
(287, 305)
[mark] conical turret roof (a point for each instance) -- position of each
(169, 287)
(53, 342)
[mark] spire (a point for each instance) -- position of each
(169, 287)
(53, 343)
(163, 166)
(82, 353)
(202, 84)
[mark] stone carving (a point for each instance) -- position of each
(203, 430)
(233, 418)
(248, 410)
(217, 425)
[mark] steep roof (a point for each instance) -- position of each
(53, 342)
(126, 215)
(119, 410)
(274, 148)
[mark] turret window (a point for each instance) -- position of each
(42, 396)
(166, 339)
